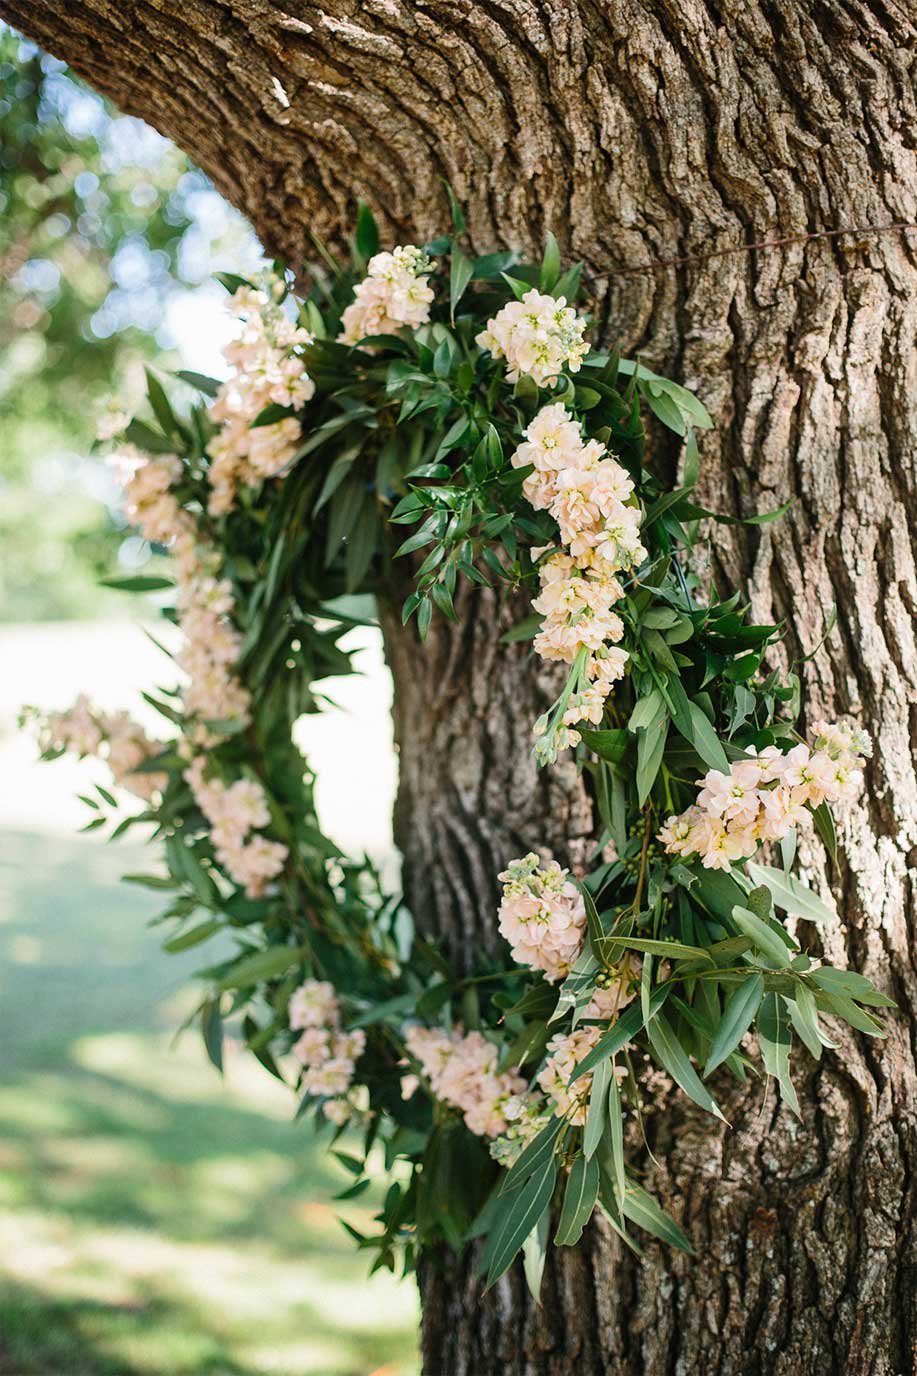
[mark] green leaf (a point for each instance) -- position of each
(517, 287)
(850, 1012)
(458, 217)
(146, 438)
(705, 740)
(430, 470)
(593, 922)
(532, 1157)
(668, 950)
(686, 401)
(618, 813)
(550, 265)
(361, 546)
(646, 988)
(642, 1209)
(596, 1117)
(194, 937)
(271, 415)
(261, 965)
(407, 510)
(460, 275)
(160, 404)
(525, 629)
(766, 517)
(691, 471)
(212, 1031)
(366, 237)
(492, 264)
(803, 1012)
(616, 1136)
(138, 582)
(608, 745)
(538, 1001)
(151, 881)
(789, 894)
(336, 475)
(660, 618)
(738, 1015)
(850, 985)
(452, 438)
(210, 386)
(774, 1040)
(579, 986)
(674, 1059)
(527, 1206)
(717, 890)
(568, 287)
(762, 936)
(824, 825)
(663, 407)
(443, 599)
(534, 1252)
(232, 281)
(650, 749)
(623, 1031)
(579, 1201)
(421, 537)
(343, 513)
(647, 711)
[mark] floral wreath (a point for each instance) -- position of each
(460, 396)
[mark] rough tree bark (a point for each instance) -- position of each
(637, 130)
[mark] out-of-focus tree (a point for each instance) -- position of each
(105, 228)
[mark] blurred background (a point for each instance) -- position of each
(155, 1220)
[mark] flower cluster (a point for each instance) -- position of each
(527, 1114)
(395, 292)
(266, 372)
(205, 605)
(567, 1049)
(542, 916)
(111, 736)
(205, 601)
(327, 1053)
(766, 794)
(462, 1071)
(233, 811)
(538, 336)
(589, 495)
(149, 502)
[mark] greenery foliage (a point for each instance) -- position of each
(404, 455)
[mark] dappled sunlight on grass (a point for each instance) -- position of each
(156, 1220)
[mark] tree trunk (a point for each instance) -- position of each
(640, 130)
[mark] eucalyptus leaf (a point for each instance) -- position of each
(789, 894)
(738, 1015)
(580, 1197)
(674, 1059)
(761, 935)
(643, 1210)
(774, 1040)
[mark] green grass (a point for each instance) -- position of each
(156, 1220)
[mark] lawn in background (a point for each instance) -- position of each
(155, 1220)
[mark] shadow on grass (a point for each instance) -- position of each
(153, 1221)
(106, 1150)
(39, 1337)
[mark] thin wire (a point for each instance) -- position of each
(694, 258)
